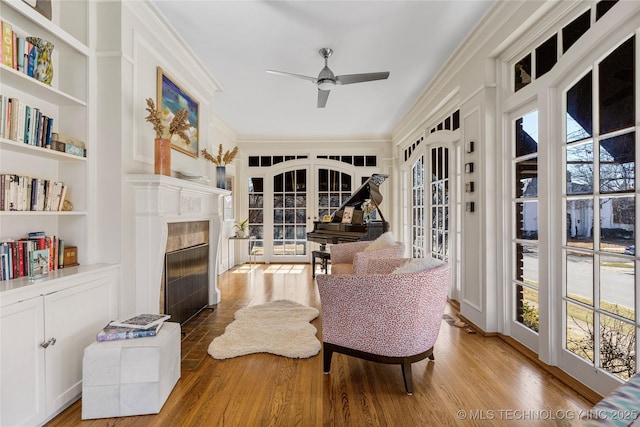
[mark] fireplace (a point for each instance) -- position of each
(186, 282)
(162, 202)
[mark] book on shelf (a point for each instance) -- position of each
(66, 143)
(141, 321)
(23, 193)
(29, 256)
(5, 119)
(7, 44)
(20, 53)
(4, 266)
(60, 253)
(13, 122)
(3, 115)
(25, 123)
(32, 60)
(38, 264)
(114, 333)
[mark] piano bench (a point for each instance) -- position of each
(324, 257)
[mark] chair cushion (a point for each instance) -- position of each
(342, 268)
(418, 264)
(386, 240)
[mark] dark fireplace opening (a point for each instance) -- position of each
(186, 285)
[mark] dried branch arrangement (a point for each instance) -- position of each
(178, 125)
(221, 159)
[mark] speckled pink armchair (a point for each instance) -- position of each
(381, 316)
(351, 258)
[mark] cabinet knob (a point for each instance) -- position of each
(46, 344)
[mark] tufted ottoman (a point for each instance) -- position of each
(132, 376)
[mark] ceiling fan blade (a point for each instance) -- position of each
(348, 79)
(299, 76)
(323, 95)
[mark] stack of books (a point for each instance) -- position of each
(136, 326)
(34, 255)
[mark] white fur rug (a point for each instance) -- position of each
(279, 327)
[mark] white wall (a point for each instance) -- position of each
(468, 82)
(133, 40)
(221, 133)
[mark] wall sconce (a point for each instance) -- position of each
(470, 207)
(468, 167)
(469, 147)
(469, 187)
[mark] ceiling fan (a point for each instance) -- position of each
(326, 80)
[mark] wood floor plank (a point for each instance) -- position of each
(473, 381)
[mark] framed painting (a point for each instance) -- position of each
(171, 99)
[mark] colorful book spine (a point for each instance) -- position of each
(3, 114)
(33, 60)
(15, 113)
(7, 44)
(27, 52)
(20, 53)
(27, 125)
(49, 132)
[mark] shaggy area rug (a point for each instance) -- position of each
(279, 327)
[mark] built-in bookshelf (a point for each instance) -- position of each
(66, 101)
(49, 318)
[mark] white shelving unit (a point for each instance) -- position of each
(67, 101)
(45, 325)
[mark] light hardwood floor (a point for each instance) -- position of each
(474, 380)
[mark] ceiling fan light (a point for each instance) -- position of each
(326, 84)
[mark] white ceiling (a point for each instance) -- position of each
(239, 40)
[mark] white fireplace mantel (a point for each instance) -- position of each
(160, 200)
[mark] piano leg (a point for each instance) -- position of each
(313, 265)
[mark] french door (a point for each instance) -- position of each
(286, 224)
(284, 203)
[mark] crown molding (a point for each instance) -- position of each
(146, 9)
(484, 42)
(314, 140)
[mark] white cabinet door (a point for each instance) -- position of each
(22, 376)
(73, 317)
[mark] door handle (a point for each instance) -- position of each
(46, 344)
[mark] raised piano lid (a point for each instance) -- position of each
(368, 190)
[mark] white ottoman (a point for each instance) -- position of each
(132, 376)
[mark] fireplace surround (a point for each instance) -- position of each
(159, 201)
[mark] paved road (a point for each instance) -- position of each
(617, 282)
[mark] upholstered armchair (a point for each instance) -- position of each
(352, 257)
(383, 316)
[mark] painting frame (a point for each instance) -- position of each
(172, 97)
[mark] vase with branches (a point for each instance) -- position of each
(221, 160)
(178, 126)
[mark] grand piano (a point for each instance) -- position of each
(338, 232)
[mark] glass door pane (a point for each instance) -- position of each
(290, 216)
(525, 220)
(440, 203)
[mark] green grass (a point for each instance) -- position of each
(618, 264)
